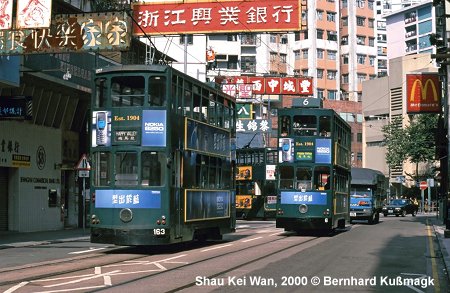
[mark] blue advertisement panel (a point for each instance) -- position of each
(297, 197)
(137, 199)
(323, 151)
(154, 127)
(207, 204)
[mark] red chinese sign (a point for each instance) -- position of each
(423, 93)
(216, 17)
(271, 85)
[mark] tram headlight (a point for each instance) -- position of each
(326, 212)
(303, 208)
(126, 215)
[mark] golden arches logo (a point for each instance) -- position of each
(423, 89)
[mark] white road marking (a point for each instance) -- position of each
(242, 226)
(216, 247)
(91, 249)
(97, 274)
(251, 239)
(12, 289)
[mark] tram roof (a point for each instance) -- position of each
(361, 176)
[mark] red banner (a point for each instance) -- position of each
(216, 17)
(272, 85)
(423, 93)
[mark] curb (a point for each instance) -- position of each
(43, 242)
(439, 233)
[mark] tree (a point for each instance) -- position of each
(415, 142)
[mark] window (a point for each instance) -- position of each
(361, 40)
(101, 168)
(370, 22)
(372, 60)
(344, 3)
(152, 174)
(320, 34)
(286, 177)
(371, 42)
(331, 16)
(331, 74)
(332, 95)
(232, 37)
(345, 21)
(344, 40)
(359, 137)
(303, 178)
(359, 156)
(127, 91)
(297, 55)
(304, 125)
(345, 78)
(273, 38)
(283, 58)
(322, 180)
(305, 53)
(331, 36)
(190, 39)
(361, 77)
(126, 168)
(305, 72)
(361, 58)
(319, 73)
(360, 3)
(324, 126)
(320, 53)
(100, 92)
(285, 125)
(319, 14)
(232, 62)
(360, 21)
(320, 94)
(345, 59)
(331, 55)
(157, 91)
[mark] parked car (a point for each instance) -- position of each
(400, 207)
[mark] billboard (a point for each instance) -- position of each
(165, 18)
(423, 93)
(154, 124)
(264, 85)
(33, 14)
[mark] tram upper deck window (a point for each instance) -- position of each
(285, 125)
(126, 168)
(157, 91)
(151, 172)
(127, 91)
(304, 125)
(100, 92)
(325, 126)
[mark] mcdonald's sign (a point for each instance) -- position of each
(423, 93)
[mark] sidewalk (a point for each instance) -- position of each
(444, 243)
(10, 239)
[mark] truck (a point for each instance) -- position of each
(367, 192)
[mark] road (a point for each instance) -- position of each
(396, 255)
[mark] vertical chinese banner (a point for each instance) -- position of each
(33, 14)
(6, 7)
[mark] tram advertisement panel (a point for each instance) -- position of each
(138, 199)
(101, 128)
(206, 204)
(323, 151)
(244, 173)
(154, 128)
(297, 197)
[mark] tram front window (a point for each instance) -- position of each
(126, 168)
(152, 174)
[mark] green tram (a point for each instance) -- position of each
(161, 153)
(256, 192)
(314, 168)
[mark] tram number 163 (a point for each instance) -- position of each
(159, 232)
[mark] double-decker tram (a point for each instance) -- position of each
(161, 152)
(256, 191)
(314, 168)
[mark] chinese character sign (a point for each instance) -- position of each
(6, 7)
(216, 17)
(271, 85)
(33, 14)
(253, 126)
